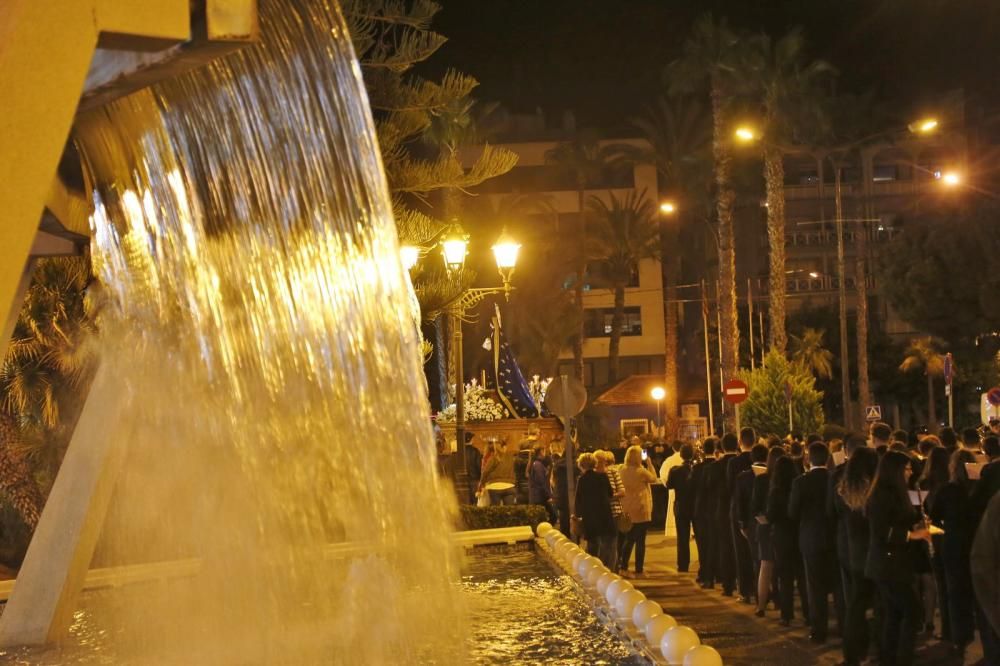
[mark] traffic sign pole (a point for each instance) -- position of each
(737, 406)
(948, 374)
(790, 417)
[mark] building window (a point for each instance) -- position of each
(597, 322)
(884, 173)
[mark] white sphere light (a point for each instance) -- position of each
(702, 655)
(580, 565)
(543, 528)
(577, 559)
(645, 612)
(656, 627)
(626, 603)
(676, 642)
(616, 588)
(606, 579)
(593, 574)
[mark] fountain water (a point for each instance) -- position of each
(256, 322)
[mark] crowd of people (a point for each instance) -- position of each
(876, 535)
(860, 525)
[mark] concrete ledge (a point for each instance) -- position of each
(137, 573)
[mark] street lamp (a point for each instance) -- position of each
(454, 248)
(409, 255)
(658, 393)
(950, 178)
(668, 208)
(745, 134)
(924, 126)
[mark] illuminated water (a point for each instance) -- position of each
(256, 325)
(520, 612)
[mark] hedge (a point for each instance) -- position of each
(487, 517)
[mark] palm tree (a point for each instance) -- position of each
(582, 159)
(622, 234)
(923, 355)
(809, 352)
(679, 138)
(40, 377)
(786, 88)
(712, 53)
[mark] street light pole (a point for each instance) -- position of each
(845, 381)
(459, 468)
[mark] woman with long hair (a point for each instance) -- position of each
(849, 503)
(787, 558)
(637, 503)
(765, 543)
(933, 479)
(892, 525)
(952, 511)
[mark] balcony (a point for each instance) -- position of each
(808, 285)
(828, 237)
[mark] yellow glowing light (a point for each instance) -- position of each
(658, 393)
(928, 125)
(745, 134)
(951, 179)
(409, 255)
(813, 274)
(667, 207)
(505, 251)
(454, 247)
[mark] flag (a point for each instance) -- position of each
(511, 387)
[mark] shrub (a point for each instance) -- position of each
(766, 408)
(487, 517)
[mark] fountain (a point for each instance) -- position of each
(260, 380)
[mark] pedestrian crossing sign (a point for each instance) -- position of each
(873, 413)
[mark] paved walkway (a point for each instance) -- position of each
(731, 627)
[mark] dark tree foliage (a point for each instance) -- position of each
(941, 275)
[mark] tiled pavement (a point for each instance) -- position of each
(731, 628)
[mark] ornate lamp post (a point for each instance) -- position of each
(454, 247)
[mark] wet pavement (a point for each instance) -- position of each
(731, 627)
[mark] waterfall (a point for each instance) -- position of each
(255, 316)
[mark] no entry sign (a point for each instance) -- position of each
(735, 391)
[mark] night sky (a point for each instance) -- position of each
(604, 58)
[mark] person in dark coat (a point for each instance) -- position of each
(951, 510)
(539, 487)
(740, 506)
(933, 479)
(679, 480)
(703, 531)
(745, 522)
(719, 494)
(807, 507)
(787, 559)
(849, 503)
(892, 525)
(766, 582)
(985, 562)
(851, 444)
(593, 506)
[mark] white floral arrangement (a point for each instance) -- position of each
(479, 406)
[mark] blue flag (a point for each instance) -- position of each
(511, 387)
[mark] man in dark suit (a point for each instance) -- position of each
(807, 507)
(741, 545)
(719, 492)
(703, 528)
(746, 524)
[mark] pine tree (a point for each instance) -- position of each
(390, 37)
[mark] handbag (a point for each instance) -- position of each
(622, 522)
